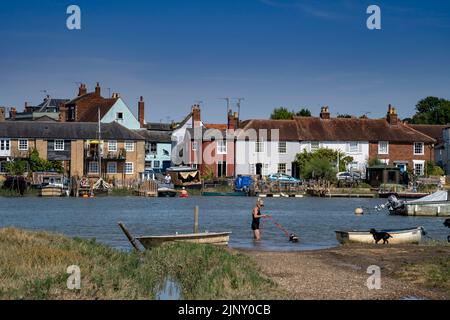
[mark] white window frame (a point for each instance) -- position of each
(112, 143)
(2, 164)
(423, 148)
(5, 145)
(108, 171)
(358, 147)
(20, 147)
(282, 147)
(60, 147)
(419, 162)
(129, 146)
(380, 150)
(280, 165)
(261, 148)
(90, 166)
(126, 168)
(221, 146)
(314, 148)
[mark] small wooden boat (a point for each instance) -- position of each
(167, 193)
(50, 191)
(217, 239)
(399, 236)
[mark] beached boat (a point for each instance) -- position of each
(434, 205)
(399, 236)
(218, 239)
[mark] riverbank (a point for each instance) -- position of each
(33, 266)
(341, 273)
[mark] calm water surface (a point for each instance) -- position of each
(313, 219)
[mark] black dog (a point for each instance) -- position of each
(293, 238)
(447, 223)
(378, 236)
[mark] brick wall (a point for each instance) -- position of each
(401, 152)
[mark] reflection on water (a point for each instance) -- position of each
(171, 291)
(314, 220)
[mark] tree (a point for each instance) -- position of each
(304, 112)
(432, 110)
(16, 167)
(37, 164)
(282, 113)
(309, 162)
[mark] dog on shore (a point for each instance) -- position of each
(447, 223)
(378, 236)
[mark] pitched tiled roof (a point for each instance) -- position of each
(434, 131)
(218, 126)
(65, 130)
(338, 129)
(157, 136)
(88, 105)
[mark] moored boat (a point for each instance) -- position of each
(399, 236)
(218, 239)
(434, 205)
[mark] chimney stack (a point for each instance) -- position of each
(82, 90)
(141, 112)
(392, 116)
(233, 120)
(62, 113)
(325, 113)
(98, 89)
(2, 114)
(196, 116)
(12, 113)
(115, 95)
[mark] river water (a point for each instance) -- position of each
(313, 219)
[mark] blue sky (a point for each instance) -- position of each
(273, 53)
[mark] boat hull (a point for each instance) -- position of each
(424, 209)
(217, 239)
(404, 236)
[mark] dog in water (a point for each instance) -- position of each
(378, 236)
(293, 238)
(447, 223)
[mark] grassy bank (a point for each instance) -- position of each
(33, 266)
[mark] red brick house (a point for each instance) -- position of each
(212, 146)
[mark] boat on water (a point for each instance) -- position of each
(399, 236)
(217, 239)
(165, 192)
(433, 205)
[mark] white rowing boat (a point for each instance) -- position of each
(399, 236)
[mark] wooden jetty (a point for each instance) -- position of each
(147, 188)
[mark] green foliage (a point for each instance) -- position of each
(432, 110)
(322, 163)
(37, 164)
(319, 168)
(304, 112)
(433, 170)
(16, 167)
(283, 113)
(375, 162)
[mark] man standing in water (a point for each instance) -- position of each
(256, 215)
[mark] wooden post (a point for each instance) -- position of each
(196, 210)
(130, 238)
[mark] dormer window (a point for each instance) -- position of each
(119, 116)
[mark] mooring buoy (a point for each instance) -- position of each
(359, 211)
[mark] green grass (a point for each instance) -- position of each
(33, 266)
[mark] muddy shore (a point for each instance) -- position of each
(407, 271)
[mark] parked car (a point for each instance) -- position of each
(281, 177)
(348, 176)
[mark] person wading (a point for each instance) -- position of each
(256, 215)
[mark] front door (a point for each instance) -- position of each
(222, 169)
(259, 167)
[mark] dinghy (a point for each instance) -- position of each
(399, 236)
(217, 239)
(434, 205)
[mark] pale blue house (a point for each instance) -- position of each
(158, 145)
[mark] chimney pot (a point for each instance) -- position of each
(82, 90)
(2, 114)
(325, 113)
(392, 116)
(98, 89)
(196, 116)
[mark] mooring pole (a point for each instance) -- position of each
(196, 210)
(129, 237)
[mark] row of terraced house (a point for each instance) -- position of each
(79, 131)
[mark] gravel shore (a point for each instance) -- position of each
(341, 273)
